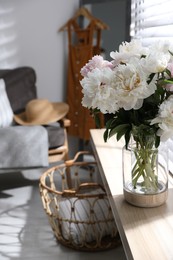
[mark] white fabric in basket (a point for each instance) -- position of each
(84, 232)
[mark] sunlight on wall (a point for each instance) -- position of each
(8, 36)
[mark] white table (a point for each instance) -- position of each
(146, 233)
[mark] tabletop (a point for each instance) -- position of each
(146, 233)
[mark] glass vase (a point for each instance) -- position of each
(145, 175)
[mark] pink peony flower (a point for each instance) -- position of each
(96, 62)
(170, 68)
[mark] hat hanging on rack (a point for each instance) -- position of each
(42, 112)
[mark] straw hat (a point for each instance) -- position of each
(42, 112)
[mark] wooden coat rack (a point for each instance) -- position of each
(83, 44)
(83, 12)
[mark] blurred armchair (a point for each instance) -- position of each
(21, 88)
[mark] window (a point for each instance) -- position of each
(152, 20)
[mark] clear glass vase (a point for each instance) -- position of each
(145, 174)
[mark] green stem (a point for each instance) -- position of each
(145, 169)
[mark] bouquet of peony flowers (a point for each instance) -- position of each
(136, 88)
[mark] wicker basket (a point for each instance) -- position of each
(77, 206)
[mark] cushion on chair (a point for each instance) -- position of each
(6, 113)
(23, 147)
(20, 86)
(56, 135)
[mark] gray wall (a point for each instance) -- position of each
(113, 13)
(29, 37)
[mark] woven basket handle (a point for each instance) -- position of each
(90, 185)
(93, 185)
(70, 162)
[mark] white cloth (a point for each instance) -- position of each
(76, 222)
(6, 113)
(23, 147)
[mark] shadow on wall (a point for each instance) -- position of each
(8, 35)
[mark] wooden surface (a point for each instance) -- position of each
(146, 233)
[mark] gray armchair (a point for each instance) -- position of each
(21, 88)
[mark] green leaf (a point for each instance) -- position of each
(127, 138)
(121, 133)
(105, 135)
(171, 53)
(168, 81)
(151, 77)
(157, 141)
(110, 123)
(118, 129)
(168, 72)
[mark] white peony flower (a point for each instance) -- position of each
(98, 91)
(160, 46)
(128, 50)
(165, 119)
(155, 62)
(131, 86)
